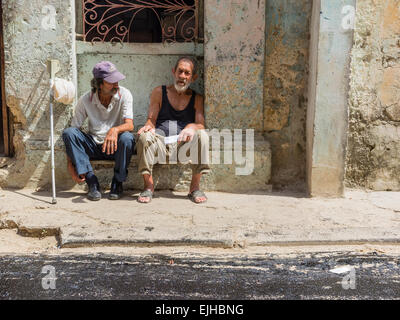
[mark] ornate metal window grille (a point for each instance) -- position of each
(140, 20)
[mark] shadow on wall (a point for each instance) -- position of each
(31, 165)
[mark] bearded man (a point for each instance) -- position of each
(175, 111)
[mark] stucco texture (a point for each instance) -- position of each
(285, 89)
(28, 45)
(374, 126)
(234, 56)
(234, 61)
(234, 75)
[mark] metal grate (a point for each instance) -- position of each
(140, 20)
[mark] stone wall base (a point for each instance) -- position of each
(177, 177)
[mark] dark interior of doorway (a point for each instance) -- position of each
(2, 153)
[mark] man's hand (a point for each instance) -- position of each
(74, 174)
(186, 135)
(111, 141)
(146, 128)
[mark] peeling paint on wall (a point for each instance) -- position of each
(28, 45)
(285, 89)
(234, 63)
(374, 125)
(233, 77)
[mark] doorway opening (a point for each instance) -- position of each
(5, 150)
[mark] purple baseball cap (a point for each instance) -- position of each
(107, 71)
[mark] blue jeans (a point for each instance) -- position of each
(81, 148)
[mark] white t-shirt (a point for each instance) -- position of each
(102, 119)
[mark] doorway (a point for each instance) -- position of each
(4, 125)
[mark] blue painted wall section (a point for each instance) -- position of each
(329, 120)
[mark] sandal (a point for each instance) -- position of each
(145, 194)
(197, 194)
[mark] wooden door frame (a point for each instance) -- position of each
(4, 108)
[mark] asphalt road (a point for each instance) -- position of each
(166, 277)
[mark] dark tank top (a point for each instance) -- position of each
(170, 121)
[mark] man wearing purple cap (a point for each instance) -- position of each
(109, 109)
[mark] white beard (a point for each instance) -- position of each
(181, 89)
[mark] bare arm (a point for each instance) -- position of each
(154, 109)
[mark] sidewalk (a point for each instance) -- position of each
(226, 220)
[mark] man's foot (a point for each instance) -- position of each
(197, 196)
(145, 196)
(94, 187)
(94, 192)
(116, 190)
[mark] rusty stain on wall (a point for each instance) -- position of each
(234, 60)
(285, 89)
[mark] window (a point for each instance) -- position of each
(144, 21)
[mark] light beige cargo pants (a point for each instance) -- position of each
(151, 149)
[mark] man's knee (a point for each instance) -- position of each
(70, 133)
(126, 139)
(144, 138)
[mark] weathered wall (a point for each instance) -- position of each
(374, 125)
(235, 78)
(234, 63)
(234, 54)
(256, 66)
(29, 40)
(285, 84)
